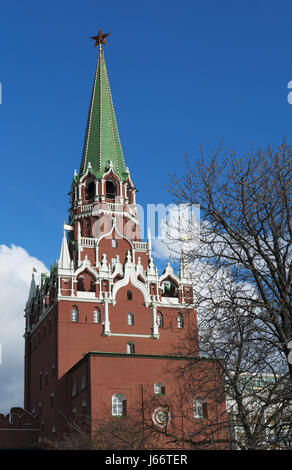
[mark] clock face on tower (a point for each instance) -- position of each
(161, 417)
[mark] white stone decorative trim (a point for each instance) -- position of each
(86, 265)
(155, 331)
(132, 335)
(169, 273)
(110, 170)
(106, 323)
(114, 226)
(85, 295)
(96, 300)
(130, 276)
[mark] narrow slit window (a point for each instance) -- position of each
(180, 321)
(129, 295)
(160, 320)
(200, 408)
(74, 314)
(96, 315)
(130, 348)
(130, 319)
(110, 189)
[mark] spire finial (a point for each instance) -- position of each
(99, 39)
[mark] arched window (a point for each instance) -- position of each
(84, 380)
(80, 284)
(52, 399)
(119, 405)
(129, 295)
(110, 189)
(96, 315)
(130, 348)
(159, 388)
(130, 319)
(74, 388)
(169, 288)
(84, 408)
(74, 414)
(85, 282)
(180, 321)
(74, 314)
(160, 320)
(200, 408)
(90, 191)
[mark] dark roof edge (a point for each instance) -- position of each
(142, 356)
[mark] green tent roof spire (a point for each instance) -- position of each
(102, 142)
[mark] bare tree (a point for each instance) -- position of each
(258, 391)
(242, 271)
(106, 432)
(163, 421)
(135, 430)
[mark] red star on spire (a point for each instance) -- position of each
(100, 38)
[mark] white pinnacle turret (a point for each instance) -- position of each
(64, 258)
(32, 289)
(149, 241)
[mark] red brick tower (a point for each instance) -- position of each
(104, 327)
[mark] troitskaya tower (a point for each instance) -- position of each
(102, 326)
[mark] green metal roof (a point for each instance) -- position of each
(102, 141)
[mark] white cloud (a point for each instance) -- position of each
(15, 276)
(161, 249)
(180, 228)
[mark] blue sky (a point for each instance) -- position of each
(182, 74)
